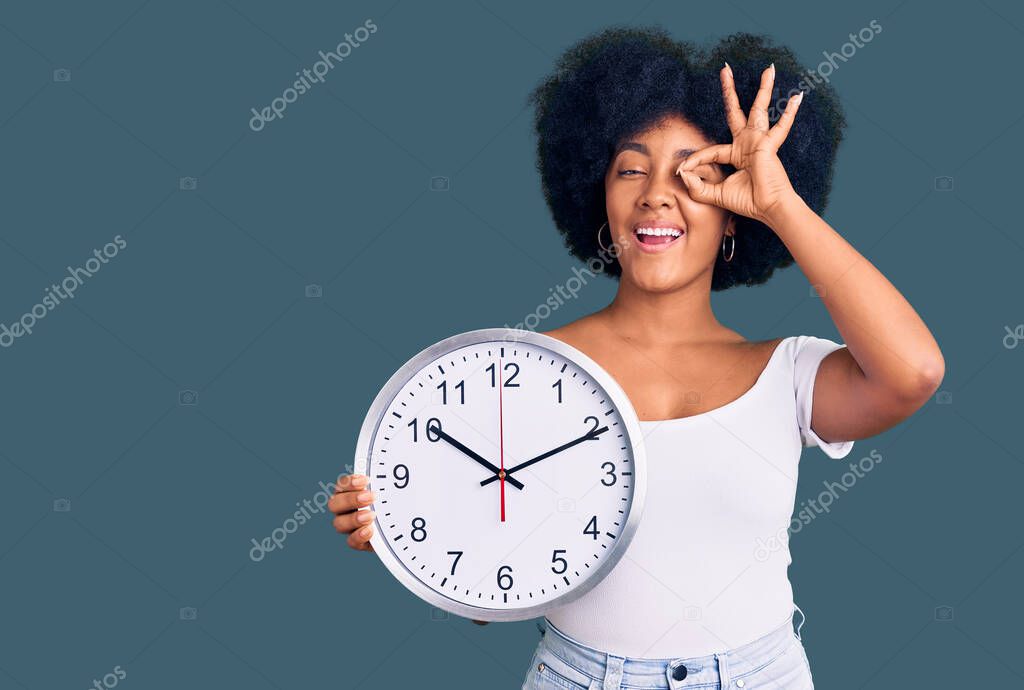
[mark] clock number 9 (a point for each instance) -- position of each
(508, 382)
(611, 473)
(556, 559)
(433, 426)
(404, 478)
(421, 529)
(505, 577)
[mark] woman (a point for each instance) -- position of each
(640, 167)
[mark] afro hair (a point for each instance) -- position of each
(621, 81)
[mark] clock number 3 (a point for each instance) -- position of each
(611, 473)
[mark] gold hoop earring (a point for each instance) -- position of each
(599, 243)
(732, 249)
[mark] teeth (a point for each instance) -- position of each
(658, 231)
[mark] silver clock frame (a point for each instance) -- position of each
(377, 410)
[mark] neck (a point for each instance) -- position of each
(679, 317)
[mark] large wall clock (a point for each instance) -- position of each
(509, 473)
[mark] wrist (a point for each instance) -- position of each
(784, 211)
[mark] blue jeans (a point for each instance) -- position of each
(776, 660)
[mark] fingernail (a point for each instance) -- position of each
(772, 67)
(364, 516)
(344, 481)
(359, 481)
(365, 496)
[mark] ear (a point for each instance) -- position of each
(730, 225)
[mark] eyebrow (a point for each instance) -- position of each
(640, 148)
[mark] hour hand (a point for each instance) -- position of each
(492, 467)
(591, 435)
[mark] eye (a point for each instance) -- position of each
(625, 173)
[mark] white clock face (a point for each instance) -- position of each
(508, 474)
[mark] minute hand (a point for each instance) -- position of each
(589, 436)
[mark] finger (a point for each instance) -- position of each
(349, 522)
(350, 482)
(717, 153)
(758, 118)
(350, 500)
(778, 133)
(360, 538)
(701, 191)
(733, 112)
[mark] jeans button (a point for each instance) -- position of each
(740, 683)
(679, 672)
(540, 666)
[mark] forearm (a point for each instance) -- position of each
(886, 337)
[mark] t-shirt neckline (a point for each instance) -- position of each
(732, 403)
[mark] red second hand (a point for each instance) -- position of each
(501, 441)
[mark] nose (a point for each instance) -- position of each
(659, 192)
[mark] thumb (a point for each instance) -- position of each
(698, 189)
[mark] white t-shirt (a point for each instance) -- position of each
(707, 567)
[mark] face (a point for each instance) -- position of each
(643, 193)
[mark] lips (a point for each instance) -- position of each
(657, 235)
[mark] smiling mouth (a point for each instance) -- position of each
(657, 236)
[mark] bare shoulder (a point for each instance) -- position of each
(583, 333)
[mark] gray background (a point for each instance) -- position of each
(126, 517)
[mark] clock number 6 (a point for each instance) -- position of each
(505, 577)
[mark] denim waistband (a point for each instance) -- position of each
(712, 669)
